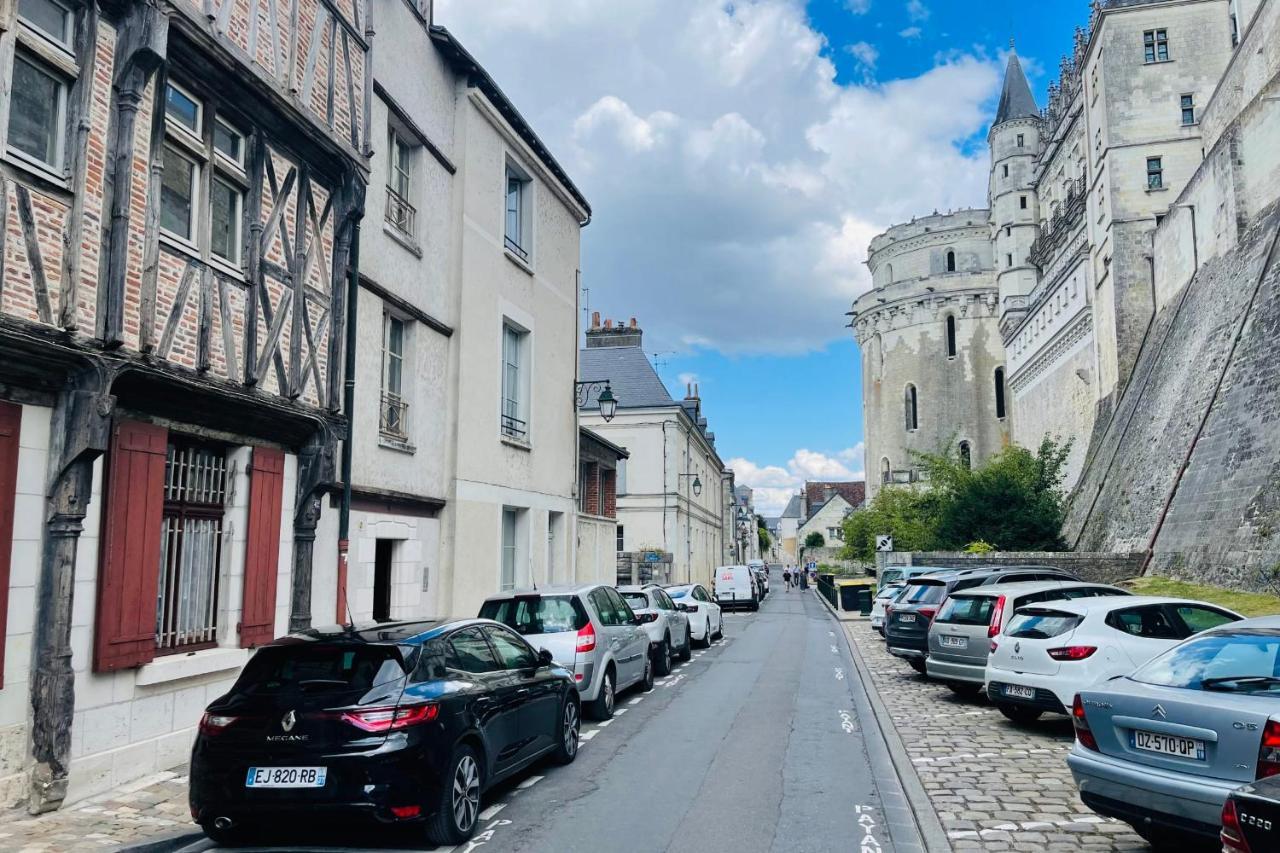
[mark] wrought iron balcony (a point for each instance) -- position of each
(394, 420)
(514, 427)
(515, 247)
(400, 213)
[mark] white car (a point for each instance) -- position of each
(706, 620)
(670, 634)
(1050, 652)
(884, 595)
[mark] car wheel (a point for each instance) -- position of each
(964, 689)
(459, 808)
(1020, 713)
(602, 705)
(647, 684)
(719, 634)
(706, 635)
(662, 658)
(570, 728)
(687, 652)
(755, 605)
(917, 664)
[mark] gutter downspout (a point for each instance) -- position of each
(348, 409)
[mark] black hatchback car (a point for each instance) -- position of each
(1251, 818)
(400, 723)
(906, 624)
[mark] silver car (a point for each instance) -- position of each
(960, 635)
(666, 624)
(589, 629)
(1162, 748)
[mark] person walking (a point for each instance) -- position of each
(786, 578)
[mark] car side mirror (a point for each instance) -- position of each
(545, 658)
(683, 608)
(635, 620)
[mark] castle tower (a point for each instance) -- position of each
(1015, 142)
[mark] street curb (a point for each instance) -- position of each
(928, 826)
(166, 843)
(841, 616)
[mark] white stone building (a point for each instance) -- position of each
(828, 520)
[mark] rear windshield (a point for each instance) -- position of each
(637, 600)
(550, 614)
(1041, 624)
(679, 592)
(1229, 663)
(890, 575)
(923, 593)
(967, 610)
(284, 669)
(889, 592)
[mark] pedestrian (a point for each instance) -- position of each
(804, 578)
(786, 578)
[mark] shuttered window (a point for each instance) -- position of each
(195, 489)
(262, 550)
(10, 426)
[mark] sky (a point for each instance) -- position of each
(739, 155)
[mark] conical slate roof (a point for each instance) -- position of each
(1016, 100)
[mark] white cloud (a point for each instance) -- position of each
(858, 7)
(773, 485)
(865, 54)
(917, 11)
(688, 379)
(729, 173)
(910, 33)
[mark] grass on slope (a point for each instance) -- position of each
(1247, 603)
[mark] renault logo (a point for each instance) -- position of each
(289, 721)
(1158, 711)
(1017, 648)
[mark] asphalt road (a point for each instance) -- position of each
(755, 745)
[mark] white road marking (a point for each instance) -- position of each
(831, 633)
(636, 701)
(604, 724)
(587, 735)
(674, 680)
(846, 721)
(491, 812)
(839, 674)
(620, 712)
(868, 823)
(834, 650)
(530, 782)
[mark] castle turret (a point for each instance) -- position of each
(1015, 143)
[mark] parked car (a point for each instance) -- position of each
(1051, 652)
(884, 595)
(705, 617)
(907, 619)
(589, 629)
(902, 574)
(403, 722)
(736, 586)
(1164, 747)
(960, 635)
(1251, 818)
(667, 625)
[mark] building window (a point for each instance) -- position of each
(621, 540)
(951, 336)
(400, 213)
(912, 412)
(1155, 173)
(1187, 103)
(517, 220)
(1021, 140)
(194, 492)
(1155, 46)
(204, 176)
(1008, 231)
(1022, 202)
(966, 454)
(999, 383)
(37, 110)
(52, 19)
(395, 411)
(510, 527)
(886, 471)
(621, 481)
(514, 417)
(1005, 170)
(951, 261)
(1008, 260)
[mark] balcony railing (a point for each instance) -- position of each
(1054, 232)
(395, 417)
(514, 427)
(513, 246)
(400, 213)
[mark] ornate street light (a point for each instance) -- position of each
(607, 403)
(697, 484)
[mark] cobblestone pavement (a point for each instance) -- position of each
(995, 786)
(146, 809)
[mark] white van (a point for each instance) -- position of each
(736, 587)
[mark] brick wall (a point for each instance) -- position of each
(609, 492)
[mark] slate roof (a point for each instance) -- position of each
(1016, 100)
(631, 376)
(855, 492)
(793, 508)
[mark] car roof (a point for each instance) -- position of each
(555, 589)
(1107, 603)
(1021, 587)
(636, 587)
(379, 633)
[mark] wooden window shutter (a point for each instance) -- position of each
(262, 550)
(10, 426)
(133, 513)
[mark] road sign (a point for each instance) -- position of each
(811, 565)
(884, 542)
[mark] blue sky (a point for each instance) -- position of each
(739, 155)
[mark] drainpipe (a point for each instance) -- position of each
(348, 409)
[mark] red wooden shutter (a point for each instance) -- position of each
(262, 550)
(10, 426)
(132, 517)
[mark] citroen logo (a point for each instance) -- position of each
(289, 721)
(1158, 711)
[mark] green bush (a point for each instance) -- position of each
(815, 540)
(979, 547)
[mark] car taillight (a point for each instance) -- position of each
(587, 638)
(928, 612)
(997, 614)
(644, 617)
(1231, 836)
(1083, 733)
(391, 719)
(1072, 652)
(215, 724)
(994, 646)
(1269, 752)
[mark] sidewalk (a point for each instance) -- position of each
(149, 809)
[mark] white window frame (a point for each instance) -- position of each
(389, 396)
(510, 554)
(520, 244)
(513, 422)
(39, 61)
(401, 167)
(191, 238)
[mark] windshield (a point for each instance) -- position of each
(283, 669)
(890, 575)
(967, 610)
(637, 600)
(550, 614)
(1041, 624)
(1234, 663)
(923, 593)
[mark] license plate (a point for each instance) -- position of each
(1179, 747)
(1019, 692)
(286, 777)
(906, 617)
(954, 642)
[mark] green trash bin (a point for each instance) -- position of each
(856, 599)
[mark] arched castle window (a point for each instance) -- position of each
(951, 261)
(1000, 392)
(888, 273)
(911, 409)
(886, 472)
(966, 454)
(951, 336)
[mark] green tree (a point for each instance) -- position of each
(765, 539)
(909, 515)
(815, 540)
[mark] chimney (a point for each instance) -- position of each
(613, 334)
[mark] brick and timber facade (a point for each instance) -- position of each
(597, 517)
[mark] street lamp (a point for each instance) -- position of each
(605, 400)
(697, 484)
